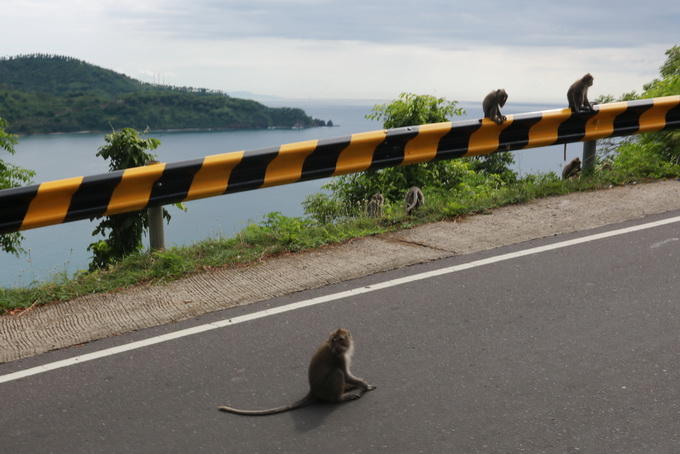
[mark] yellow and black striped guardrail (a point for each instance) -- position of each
(134, 189)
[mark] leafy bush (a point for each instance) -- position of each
(644, 160)
(349, 193)
(411, 109)
(11, 176)
(653, 155)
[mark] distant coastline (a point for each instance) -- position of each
(178, 130)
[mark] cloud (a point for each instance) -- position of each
(357, 49)
(355, 69)
(432, 23)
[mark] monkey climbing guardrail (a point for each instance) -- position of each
(134, 189)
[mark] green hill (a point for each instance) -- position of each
(46, 93)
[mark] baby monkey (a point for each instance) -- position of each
(329, 377)
(492, 106)
(374, 209)
(572, 170)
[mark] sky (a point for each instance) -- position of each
(358, 49)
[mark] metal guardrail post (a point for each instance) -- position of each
(589, 151)
(156, 232)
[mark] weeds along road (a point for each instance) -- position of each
(561, 344)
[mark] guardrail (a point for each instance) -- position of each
(137, 188)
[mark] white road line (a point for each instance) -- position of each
(325, 299)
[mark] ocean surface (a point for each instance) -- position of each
(63, 248)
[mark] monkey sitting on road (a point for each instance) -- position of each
(492, 106)
(578, 94)
(572, 170)
(414, 199)
(329, 377)
(375, 205)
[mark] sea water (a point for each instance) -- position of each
(63, 248)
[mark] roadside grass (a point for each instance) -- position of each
(280, 234)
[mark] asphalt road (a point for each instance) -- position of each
(569, 349)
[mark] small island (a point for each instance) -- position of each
(42, 94)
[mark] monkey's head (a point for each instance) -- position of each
(502, 96)
(588, 80)
(340, 342)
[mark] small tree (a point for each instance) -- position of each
(657, 154)
(393, 182)
(11, 176)
(410, 109)
(668, 85)
(124, 231)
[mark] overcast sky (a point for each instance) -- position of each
(358, 49)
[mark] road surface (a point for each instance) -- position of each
(557, 345)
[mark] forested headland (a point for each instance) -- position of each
(47, 94)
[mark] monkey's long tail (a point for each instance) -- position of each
(307, 400)
(412, 200)
(411, 205)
